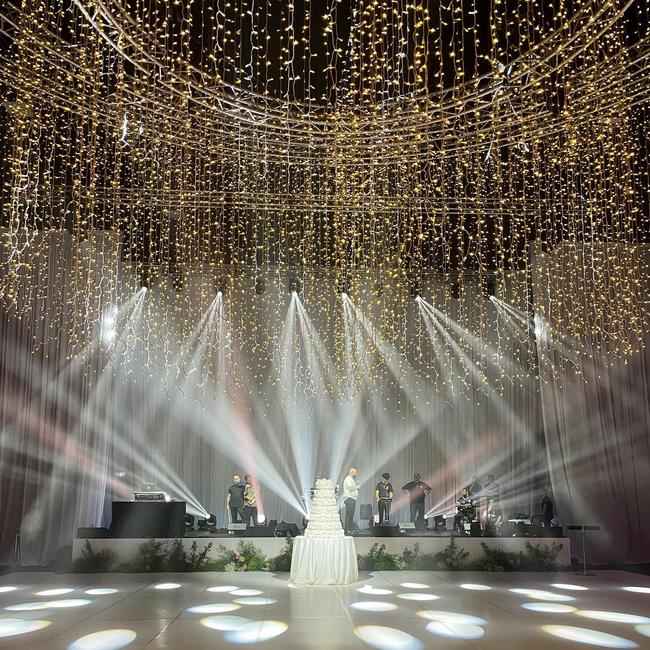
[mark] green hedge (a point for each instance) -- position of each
(161, 556)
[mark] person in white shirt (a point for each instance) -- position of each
(350, 496)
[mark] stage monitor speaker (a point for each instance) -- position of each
(92, 533)
(286, 530)
(148, 519)
(407, 528)
(365, 511)
(260, 531)
(475, 529)
(387, 530)
(237, 528)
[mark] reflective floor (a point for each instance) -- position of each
(392, 610)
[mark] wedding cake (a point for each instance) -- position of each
(324, 520)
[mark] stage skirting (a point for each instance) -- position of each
(126, 549)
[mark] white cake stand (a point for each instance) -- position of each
(324, 561)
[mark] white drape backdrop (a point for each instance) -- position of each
(597, 429)
(72, 440)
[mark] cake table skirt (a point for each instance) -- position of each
(324, 561)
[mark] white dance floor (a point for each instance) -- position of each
(392, 610)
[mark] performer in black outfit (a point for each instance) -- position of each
(417, 491)
(547, 508)
(235, 500)
(384, 497)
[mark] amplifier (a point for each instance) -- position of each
(149, 496)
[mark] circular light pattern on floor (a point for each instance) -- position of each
(225, 623)
(418, 597)
(373, 606)
(15, 626)
(7, 589)
(539, 594)
(612, 617)
(221, 589)
(55, 592)
(473, 587)
(455, 630)
(246, 592)
(414, 585)
(256, 632)
(48, 604)
(255, 600)
(167, 585)
(374, 591)
(451, 617)
(214, 608)
(638, 590)
(72, 602)
(105, 591)
(550, 608)
(387, 638)
(567, 587)
(104, 640)
(643, 629)
(588, 636)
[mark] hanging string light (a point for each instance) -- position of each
(393, 147)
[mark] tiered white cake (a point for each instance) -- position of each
(324, 520)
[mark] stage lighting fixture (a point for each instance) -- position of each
(143, 277)
(207, 524)
(489, 286)
(178, 281)
(294, 285)
(415, 289)
(260, 286)
(440, 522)
(219, 288)
(189, 522)
(342, 287)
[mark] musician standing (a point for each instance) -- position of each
(350, 496)
(235, 500)
(250, 501)
(384, 497)
(417, 491)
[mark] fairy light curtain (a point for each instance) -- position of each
(392, 137)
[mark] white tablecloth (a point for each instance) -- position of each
(324, 561)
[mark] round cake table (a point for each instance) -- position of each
(324, 561)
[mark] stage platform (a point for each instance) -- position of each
(125, 549)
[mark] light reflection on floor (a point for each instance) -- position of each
(383, 610)
(105, 640)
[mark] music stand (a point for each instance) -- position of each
(582, 528)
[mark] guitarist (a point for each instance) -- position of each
(250, 501)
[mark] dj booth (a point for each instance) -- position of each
(148, 519)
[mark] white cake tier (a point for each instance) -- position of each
(325, 520)
(324, 501)
(324, 530)
(323, 510)
(329, 517)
